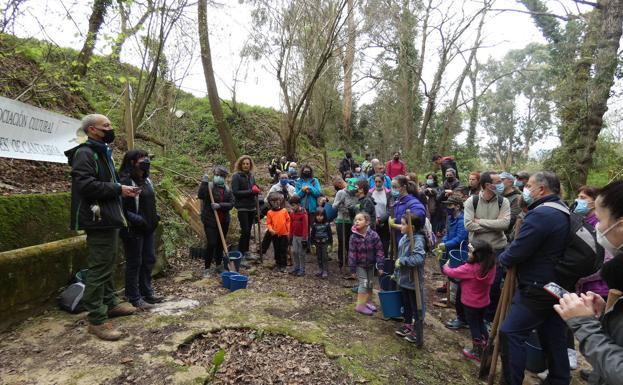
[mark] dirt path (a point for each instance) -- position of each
(306, 326)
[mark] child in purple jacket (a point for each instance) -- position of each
(364, 252)
(477, 276)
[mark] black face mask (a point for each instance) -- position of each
(145, 165)
(109, 136)
(396, 157)
(450, 179)
(306, 174)
(611, 272)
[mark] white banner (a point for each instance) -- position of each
(28, 132)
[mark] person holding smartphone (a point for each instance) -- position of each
(138, 237)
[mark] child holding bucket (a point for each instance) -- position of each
(278, 224)
(477, 276)
(364, 252)
(408, 264)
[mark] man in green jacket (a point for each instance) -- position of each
(96, 208)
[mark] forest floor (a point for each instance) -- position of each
(280, 330)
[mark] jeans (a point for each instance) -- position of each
(343, 238)
(365, 276)
(321, 253)
(475, 318)
(99, 293)
(140, 257)
(214, 248)
(514, 332)
(246, 219)
(298, 254)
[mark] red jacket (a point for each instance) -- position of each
(394, 168)
(298, 224)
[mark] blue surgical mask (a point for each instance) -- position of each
(430, 182)
(450, 210)
(518, 184)
(395, 193)
(291, 170)
(581, 207)
(219, 180)
(499, 188)
(283, 182)
(526, 196)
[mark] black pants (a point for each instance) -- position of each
(496, 289)
(214, 248)
(343, 238)
(280, 245)
(409, 305)
(140, 257)
(475, 318)
(382, 230)
(321, 253)
(246, 219)
(458, 305)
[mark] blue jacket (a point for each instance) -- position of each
(408, 202)
(387, 182)
(410, 261)
(456, 233)
(540, 243)
(308, 200)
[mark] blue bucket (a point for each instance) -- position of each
(226, 278)
(238, 282)
(535, 357)
(329, 212)
(457, 257)
(235, 257)
(391, 303)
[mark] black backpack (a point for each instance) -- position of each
(476, 198)
(583, 255)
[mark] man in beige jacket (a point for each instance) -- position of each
(487, 216)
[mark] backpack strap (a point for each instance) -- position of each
(475, 199)
(500, 202)
(557, 206)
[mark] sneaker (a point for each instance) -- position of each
(142, 306)
(456, 324)
(105, 331)
(371, 306)
(404, 330)
(318, 274)
(282, 269)
(207, 273)
(543, 375)
(411, 337)
(573, 358)
(471, 354)
(122, 309)
(152, 299)
(324, 275)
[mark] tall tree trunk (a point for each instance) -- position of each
(95, 22)
(419, 67)
(349, 60)
(406, 64)
(215, 103)
(472, 145)
(430, 107)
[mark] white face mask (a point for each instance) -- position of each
(603, 241)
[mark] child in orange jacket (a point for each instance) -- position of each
(278, 224)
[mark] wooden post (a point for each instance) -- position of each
(127, 118)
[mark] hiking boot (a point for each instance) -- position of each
(152, 299)
(142, 306)
(121, 310)
(371, 306)
(363, 309)
(404, 330)
(105, 331)
(456, 324)
(411, 337)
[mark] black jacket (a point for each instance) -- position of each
(93, 184)
(241, 184)
(347, 164)
(140, 211)
(207, 213)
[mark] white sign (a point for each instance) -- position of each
(28, 132)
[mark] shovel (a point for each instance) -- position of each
(415, 276)
(230, 264)
(259, 228)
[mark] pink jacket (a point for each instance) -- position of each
(474, 288)
(394, 168)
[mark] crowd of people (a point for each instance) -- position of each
(478, 228)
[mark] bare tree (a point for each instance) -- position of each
(98, 13)
(349, 60)
(10, 11)
(215, 103)
(129, 31)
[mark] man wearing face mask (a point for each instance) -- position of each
(539, 244)
(597, 326)
(521, 178)
(487, 217)
(514, 196)
(96, 208)
(283, 187)
(444, 163)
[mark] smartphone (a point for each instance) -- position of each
(555, 290)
